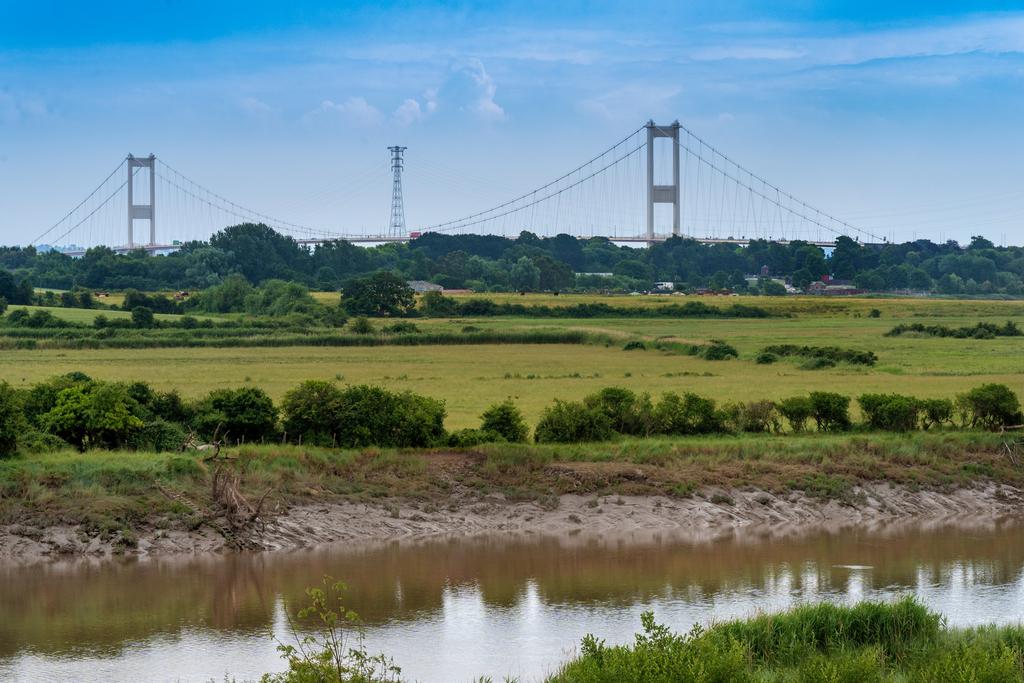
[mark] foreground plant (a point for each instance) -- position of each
(334, 652)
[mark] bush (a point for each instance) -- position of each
(634, 346)
(467, 438)
(765, 358)
(817, 364)
(797, 410)
(834, 354)
(756, 417)
(362, 325)
(3, 305)
(572, 422)
(12, 420)
(935, 412)
(831, 412)
(158, 435)
(875, 313)
(401, 327)
(686, 414)
(94, 415)
(245, 414)
(627, 412)
(891, 412)
(142, 317)
(719, 350)
(991, 406)
(372, 416)
(310, 412)
(505, 420)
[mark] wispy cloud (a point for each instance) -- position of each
(354, 110)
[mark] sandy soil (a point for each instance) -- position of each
(706, 515)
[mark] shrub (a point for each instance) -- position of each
(310, 412)
(765, 358)
(95, 414)
(891, 412)
(158, 435)
(830, 353)
(42, 397)
(3, 305)
(935, 412)
(142, 317)
(246, 414)
(719, 350)
(634, 346)
(797, 410)
(686, 414)
(627, 412)
(401, 327)
(757, 417)
(506, 420)
(990, 406)
(467, 438)
(572, 422)
(875, 313)
(817, 364)
(362, 325)
(831, 412)
(12, 421)
(372, 416)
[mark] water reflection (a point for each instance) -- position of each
(454, 609)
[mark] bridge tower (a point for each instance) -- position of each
(145, 211)
(396, 226)
(662, 194)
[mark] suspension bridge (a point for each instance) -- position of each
(658, 182)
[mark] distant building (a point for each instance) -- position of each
(422, 286)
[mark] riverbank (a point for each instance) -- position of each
(110, 503)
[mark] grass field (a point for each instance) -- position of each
(469, 378)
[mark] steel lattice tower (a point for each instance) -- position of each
(396, 227)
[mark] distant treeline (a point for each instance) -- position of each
(526, 263)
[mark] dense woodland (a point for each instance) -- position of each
(526, 263)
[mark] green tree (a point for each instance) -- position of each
(310, 412)
(797, 410)
(831, 411)
(506, 420)
(381, 294)
(245, 414)
(990, 406)
(94, 415)
(12, 420)
(524, 275)
(142, 317)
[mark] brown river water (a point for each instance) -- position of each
(453, 610)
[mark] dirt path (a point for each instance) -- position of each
(707, 514)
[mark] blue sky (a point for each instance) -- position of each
(901, 117)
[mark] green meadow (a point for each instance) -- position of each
(469, 377)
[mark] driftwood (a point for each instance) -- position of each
(229, 512)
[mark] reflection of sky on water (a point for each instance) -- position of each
(466, 636)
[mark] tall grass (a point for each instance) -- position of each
(870, 641)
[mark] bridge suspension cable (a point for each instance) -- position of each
(806, 208)
(222, 203)
(482, 216)
(82, 203)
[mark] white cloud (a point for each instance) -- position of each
(473, 88)
(253, 105)
(410, 111)
(354, 110)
